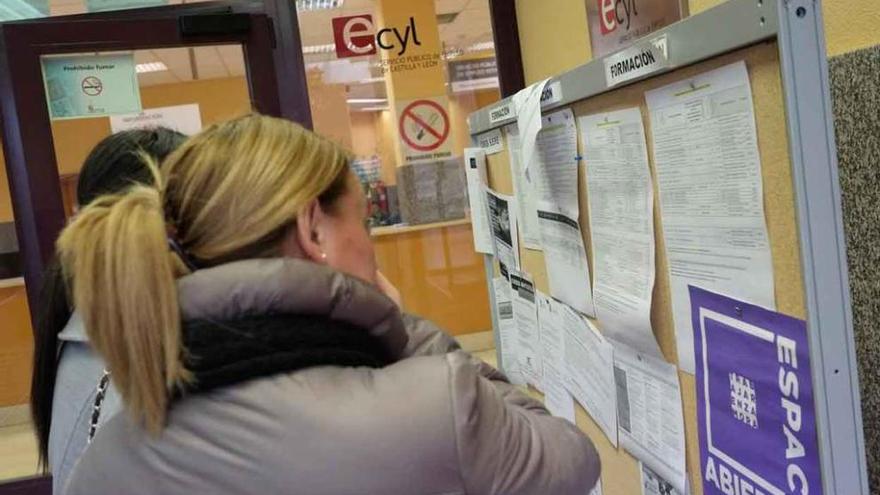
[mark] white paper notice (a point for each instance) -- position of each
(649, 412)
(528, 119)
(622, 225)
(555, 175)
(185, 119)
(556, 396)
(475, 172)
(711, 195)
(524, 192)
(589, 364)
(654, 484)
(491, 142)
(566, 259)
(506, 330)
(525, 312)
(502, 221)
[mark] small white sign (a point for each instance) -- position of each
(501, 112)
(552, 94)
(637, 61)
(185, 119)
(491, 142)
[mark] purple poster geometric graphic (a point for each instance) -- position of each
(755, 412)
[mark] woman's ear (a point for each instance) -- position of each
(310, 223)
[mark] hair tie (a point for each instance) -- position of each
(175, 246)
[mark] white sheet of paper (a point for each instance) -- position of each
(506, 330)
(491, 142)
(525, 312)
(589, 364)
(557, 398)
(501, 211)
(711, 194)
(527, 103)
(621, 197)
(649, 412)
(597, 490)
(654, 484)
(524, 192)
(566, 259)
(186, 119)
(554, 177)
(475, 173)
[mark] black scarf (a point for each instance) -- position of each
(220, 354)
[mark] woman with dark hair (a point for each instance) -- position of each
(66, 369)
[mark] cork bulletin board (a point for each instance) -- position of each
(620, 471)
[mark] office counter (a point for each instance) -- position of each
(439, 275)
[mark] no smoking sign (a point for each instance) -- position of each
(424, 128)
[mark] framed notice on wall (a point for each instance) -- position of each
(616, 24)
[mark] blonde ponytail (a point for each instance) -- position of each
(122, 275)
(231, 192)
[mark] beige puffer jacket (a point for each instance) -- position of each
(435, 422)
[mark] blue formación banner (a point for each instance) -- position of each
(755, 411)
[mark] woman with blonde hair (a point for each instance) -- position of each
(240, 312)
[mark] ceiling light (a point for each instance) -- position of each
(372, 109)
(312, 5)
(316, 49)
(150, 67)
(367, 101)
(479, 47)
(372, 80)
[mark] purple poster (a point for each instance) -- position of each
(755, 410)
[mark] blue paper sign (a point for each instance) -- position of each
(755, 411)
(103, 5)
(81, 86)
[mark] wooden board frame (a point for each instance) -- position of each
(783, 46)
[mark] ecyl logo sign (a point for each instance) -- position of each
(354, 36)
(613, 13)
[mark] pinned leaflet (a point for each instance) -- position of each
(475, 173)
(649, 413)
(621, 197)
(711, 194)
(502, 220)
(755, 409)
(507, 338)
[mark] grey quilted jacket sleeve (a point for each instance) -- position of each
(507, 442)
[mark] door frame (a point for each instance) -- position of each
(25, 125)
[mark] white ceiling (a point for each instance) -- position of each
(471, 26)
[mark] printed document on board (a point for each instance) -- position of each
(555, 174)
(566, 259)
(654, 484)
(557, 399)
(507, 330)
(502, 220)
(649, 413)
(528, 119)
(527, 210)
(711, 194)
(525, 313)
(475, 172)
(589, 365)
(621, 197)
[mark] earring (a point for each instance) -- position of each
(323, 256)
